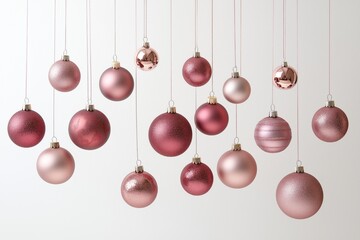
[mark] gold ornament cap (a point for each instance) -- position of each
(285, 64)
(212, 100)
(235, 75)
(299, 169)
(273, 114)
(54, 145)
(172, 110)
(65, 57)
(330, 104)
(139, 169)
(146, 45)
(90, 107)
(116, 65)
(196, 160)
(27, 107)
(236, 147)
(197, 54)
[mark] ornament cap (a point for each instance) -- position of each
(116, 65)
(273, 114)
(197, 54)
(236, 147)
(146, 45)
(299, 169)
(172, 110)
(65, 57)
(139, 169)
(235, 75)
(285, 64)
(27, 107)
(90, 107)
(54, 145)
(330, 103)
(212, 100)
(196, 160)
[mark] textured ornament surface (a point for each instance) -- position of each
(147, 58)
(196, 71)
(236, 90)
(116, 84)
(64, 76)
(211, 119)
(284, 77)
(196, 179)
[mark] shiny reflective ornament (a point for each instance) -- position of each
(89, 129)
(211, 118)
(299, 195)
(196, 177)
(139, 188)
(26, 128)
(116, 83)
(284, 77)
(170, 134)
(64, 75)
(55, 165)
(147, 58)
(236, 89)
(330, 123)
(196, 71)
(237, 168)
(272, 134)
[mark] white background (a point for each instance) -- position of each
(89, 206)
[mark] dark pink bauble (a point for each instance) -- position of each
(116, 84)
(284, 77)
(64, 75)
(26, 128)
(196, 179)
(89, 129)
(196, 71)
(147, 58)
(139, 189)
(236, 89)
(211, 119)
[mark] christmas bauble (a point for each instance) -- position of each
(236, 89)
(196, 71)
(26, 128)
(147, 58)
(284, 77)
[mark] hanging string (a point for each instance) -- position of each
(241, 37)
(54, 139)
(115, 32)
(236, 139)
(26, 99)
(88, 52)
(284, 30)
(171, 102)
(272, 106)
(212, 48)
(138, 161)
(145, 21)
(298, 162)
(329, 31)
(234, 12)
(196, 131)
(65, 30)
(196, 25)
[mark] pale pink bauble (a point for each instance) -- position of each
(64, 75)
(284, 77)
(147, 58)
(211, 119)
(196, 71)
(236, 90)
(196, 179)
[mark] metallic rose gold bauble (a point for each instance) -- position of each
(89, 129)
(211, 118)
(55, 165)
(272, 134)
(64, 75)
(116, 83)
(236, 168)
(330, 123)
(236, 89)
(196, 71)
(139, 188)
(196, 178)
(147, 58)
(26, 128)
(284, 77)
(299, 195)
(170, 133)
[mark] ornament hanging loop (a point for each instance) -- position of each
(329, 97)
(212, 93)
(236, 140)
(26, 100)
(54, 139)
(272, 107)
(115, 58)
(65, 52)
(196, 155)
(298, 163)
(138, 163)
(235, 69)
(171, 103)
(145, 40)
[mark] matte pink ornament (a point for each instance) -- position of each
(170, 134)
(299, 195)
(147, 58)
(139, 189)
(237, 168)
(89, 129)
(284, 77)
(236, 89)
(64, 75)
(55, 165)
(330, 123)
(26, 128)
(196, 71)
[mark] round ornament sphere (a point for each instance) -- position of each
(26, 128)
(89, 129)
(146, 58)
(284, 77)
(196, 71)
(236, 89)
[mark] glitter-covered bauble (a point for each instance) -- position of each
(146, 58)
(196, 70)
(236, 89)
(284, 77)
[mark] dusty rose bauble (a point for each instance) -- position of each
(55, 165)
(236, 89)
(284, 77)
(147, 58)
(89, 129)
(196, 178)
(26, 128)
(299, 195)
(272, 134)
(236, 168)
(196, 71)
(170, 133)
(139, 188)
(64, 75)
(116, 83)
(211, 118)
(330, 123)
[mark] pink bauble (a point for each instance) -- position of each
(147, 58)
(170, 134)
(196, 71)
(236, 168)
(236, 89)
(64, 75)
(196, 179)
(89, 129)
(55, 165)
(284, 77)
(26, 128)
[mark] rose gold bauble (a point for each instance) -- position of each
(330, 123)
(211, 118)
(196, 71)
(89, 129)
(299, 195)
(272, 134)
(237, 168)
(55, 165)
(170, 134)
(147, 58)
(26, 128)
(64, 75)
(196, 178)
(236, 89)
(284, 77)
(139, 188)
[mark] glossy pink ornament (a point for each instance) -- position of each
(170, 133)
(147, 58)
(236, 168)
(89, 129)
(139, 188)
(196, 177)
(196, 71)
(236, 89)
(284, 77)
(64, 75)
(55, 165)
(116, 83)
(26, 128)
(299, 195)
(272, 134)
(330, 123)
